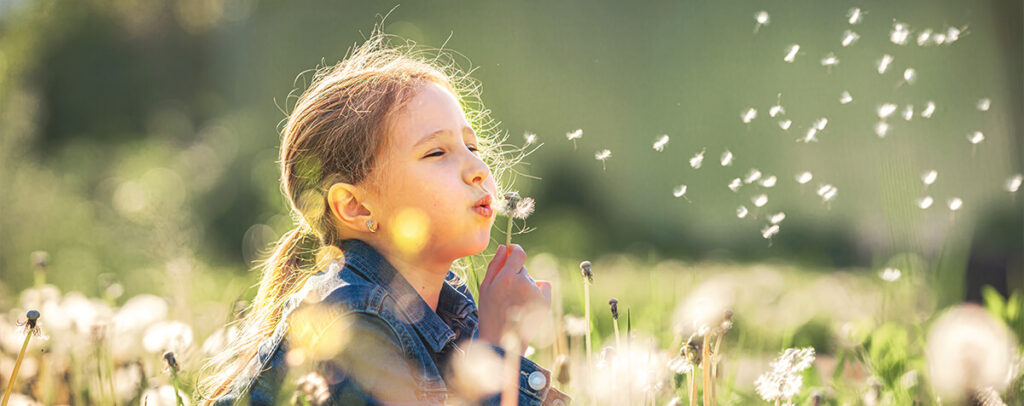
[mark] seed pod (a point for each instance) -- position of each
(33, 316)
(171, 361)
(726, 321)
(585, 268)
(511, 201)
(614, 303)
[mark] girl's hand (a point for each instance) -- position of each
(507, 289)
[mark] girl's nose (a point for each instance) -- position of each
(476, 172)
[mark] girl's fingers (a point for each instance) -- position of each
(496, 264)
(516, 260)
(545, 290)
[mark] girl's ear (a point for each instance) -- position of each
(348, 205)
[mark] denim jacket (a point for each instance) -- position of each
(399, 349)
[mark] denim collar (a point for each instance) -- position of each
(365, 260)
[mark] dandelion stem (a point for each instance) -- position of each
(618, 341)
(508, 233)
(510, 390)
(174, 383)
(704, 359)
(693, 386)
(586, 316)
(17, 365)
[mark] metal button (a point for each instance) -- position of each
(537, 380)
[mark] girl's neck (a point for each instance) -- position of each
(423, 275)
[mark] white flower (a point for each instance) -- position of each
(770, 231)
(1013, 183)
(925, 202)
(890, 274)
(659, 144)
(679, 191)
(727, 158)
(804, 177)
(784, 124)
(910, 75)
(741, 212)
(849, 37)
(735, 184)
(886, 110)
(791, 53)
(845, 97)
(929, 109)
(883, 64)
(768, 181)
(929, 177)
(855, 15)
(984, 104)
(777, 218)
(698, 159)
(954, 203)
(899, 33)
(976, 137)
(830, 60)
(760, 200)
(908, 112)
(752, 176)
(882, 129)
(748, 115)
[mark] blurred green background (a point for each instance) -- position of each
(139, 137)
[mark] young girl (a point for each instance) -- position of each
(388, 183)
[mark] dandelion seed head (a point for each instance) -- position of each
(603, 155)
(727, 158)
(776, 110)
(679, 191)
(929, 109)
(952, 34)
(791, 53)
(854, 16)
(925, 202)
(899, 34)
(849, 37)
(748, 115)
(785, 124)
(966, 349)
(929, 177)
(910, 75)
(845, 97)
(821, 123)
(924, 36)
(976, 137)
(830, 60)
(659, 144)
(908, 112)
(530, 138)
(1012, 184)
(882, 129)
(762, 18)
(770, 231)
(783, 381)
(827, 192)
(955, 203)
(742, 211)
(735, 184)
(777, 218)
(167, 336)
(885, 110)
(697, 160)
(760, 200)
(768, 181)
(811, 135)
(804, 177)
(574, 135)
(939, 38)
(585, 270)
(752, 176)
(890, 274)
(984, 104)
(575, 326)
(883, 64)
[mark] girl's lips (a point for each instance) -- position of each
(485, 211)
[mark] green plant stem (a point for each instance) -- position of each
(17, 366)
(174, 382)
(586, 317)
(704, 359)
(618, 341)
(693, 385)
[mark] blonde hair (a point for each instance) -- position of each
(334, 134)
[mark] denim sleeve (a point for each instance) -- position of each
(534, 385)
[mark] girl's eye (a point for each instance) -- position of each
(472, 148)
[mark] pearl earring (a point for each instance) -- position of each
(371, 225)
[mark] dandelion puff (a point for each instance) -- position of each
(735, 184)
(602, 156)
(955, 204)
(881, 129)
(659, 144)
(783, 380)
(939, 38)
(748, 115)
(845, 97)
(928, 178)
(770, 231)
(899, 34)
(952, 34)
(854, 16)
(984, 104)
(925, 202)
(760, 200)
(883, 64)
(1012, 184)
(849, 37)
(821, 123)
(762, 18)
(680, 191)
(791, 53)
(890, 274)
(967, 349)
(573, 136)
(777, 218)
(727, 158)
(785, 124)
(810, 136)
(776, 110)
(924, 37)
(742, 212)
(827, 192)
(830, 60)
(804, 177)
(910, 76)
(530, 138)
(976, 137)
(698, 159)
(908, 112)
(885, 110)
(752, 176)
(929, 109)
(768, 181)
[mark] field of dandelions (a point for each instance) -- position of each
(625, 330)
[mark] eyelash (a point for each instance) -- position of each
(471, 148)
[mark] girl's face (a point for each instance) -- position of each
(433, 180)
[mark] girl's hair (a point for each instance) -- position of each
(335, 133)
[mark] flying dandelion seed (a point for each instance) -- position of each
(984, 104)
(939, 38)
(530, 138)
(777, 218)
(784, 380)
(883, 64)
(910, 75)
(770, 231)
(829, 61)
(768, 181)
(821, 123)
(886, 110)
(760, 200)
(811, 135)
(854, 16)
(849, 37)
(923, 37)
(899, 34)
(845, 97)
(908, 112)
(929, 109)
(976, 137)
(1012, 184)
(727, 158)
(659, 144)
(952, 34)
(776, 110)
(752, 176)
(928, 178)
(680, 191)
(925, 202)
(602, 156)
(791, 53)
(804, 177)
(741, 212)
(735, 185)
(698, 159)
(882, 129)
(954, 204)
(762, 18)
(785, 124)
(890, 274)
(748, 115)
(827, 192)
(573, 136)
